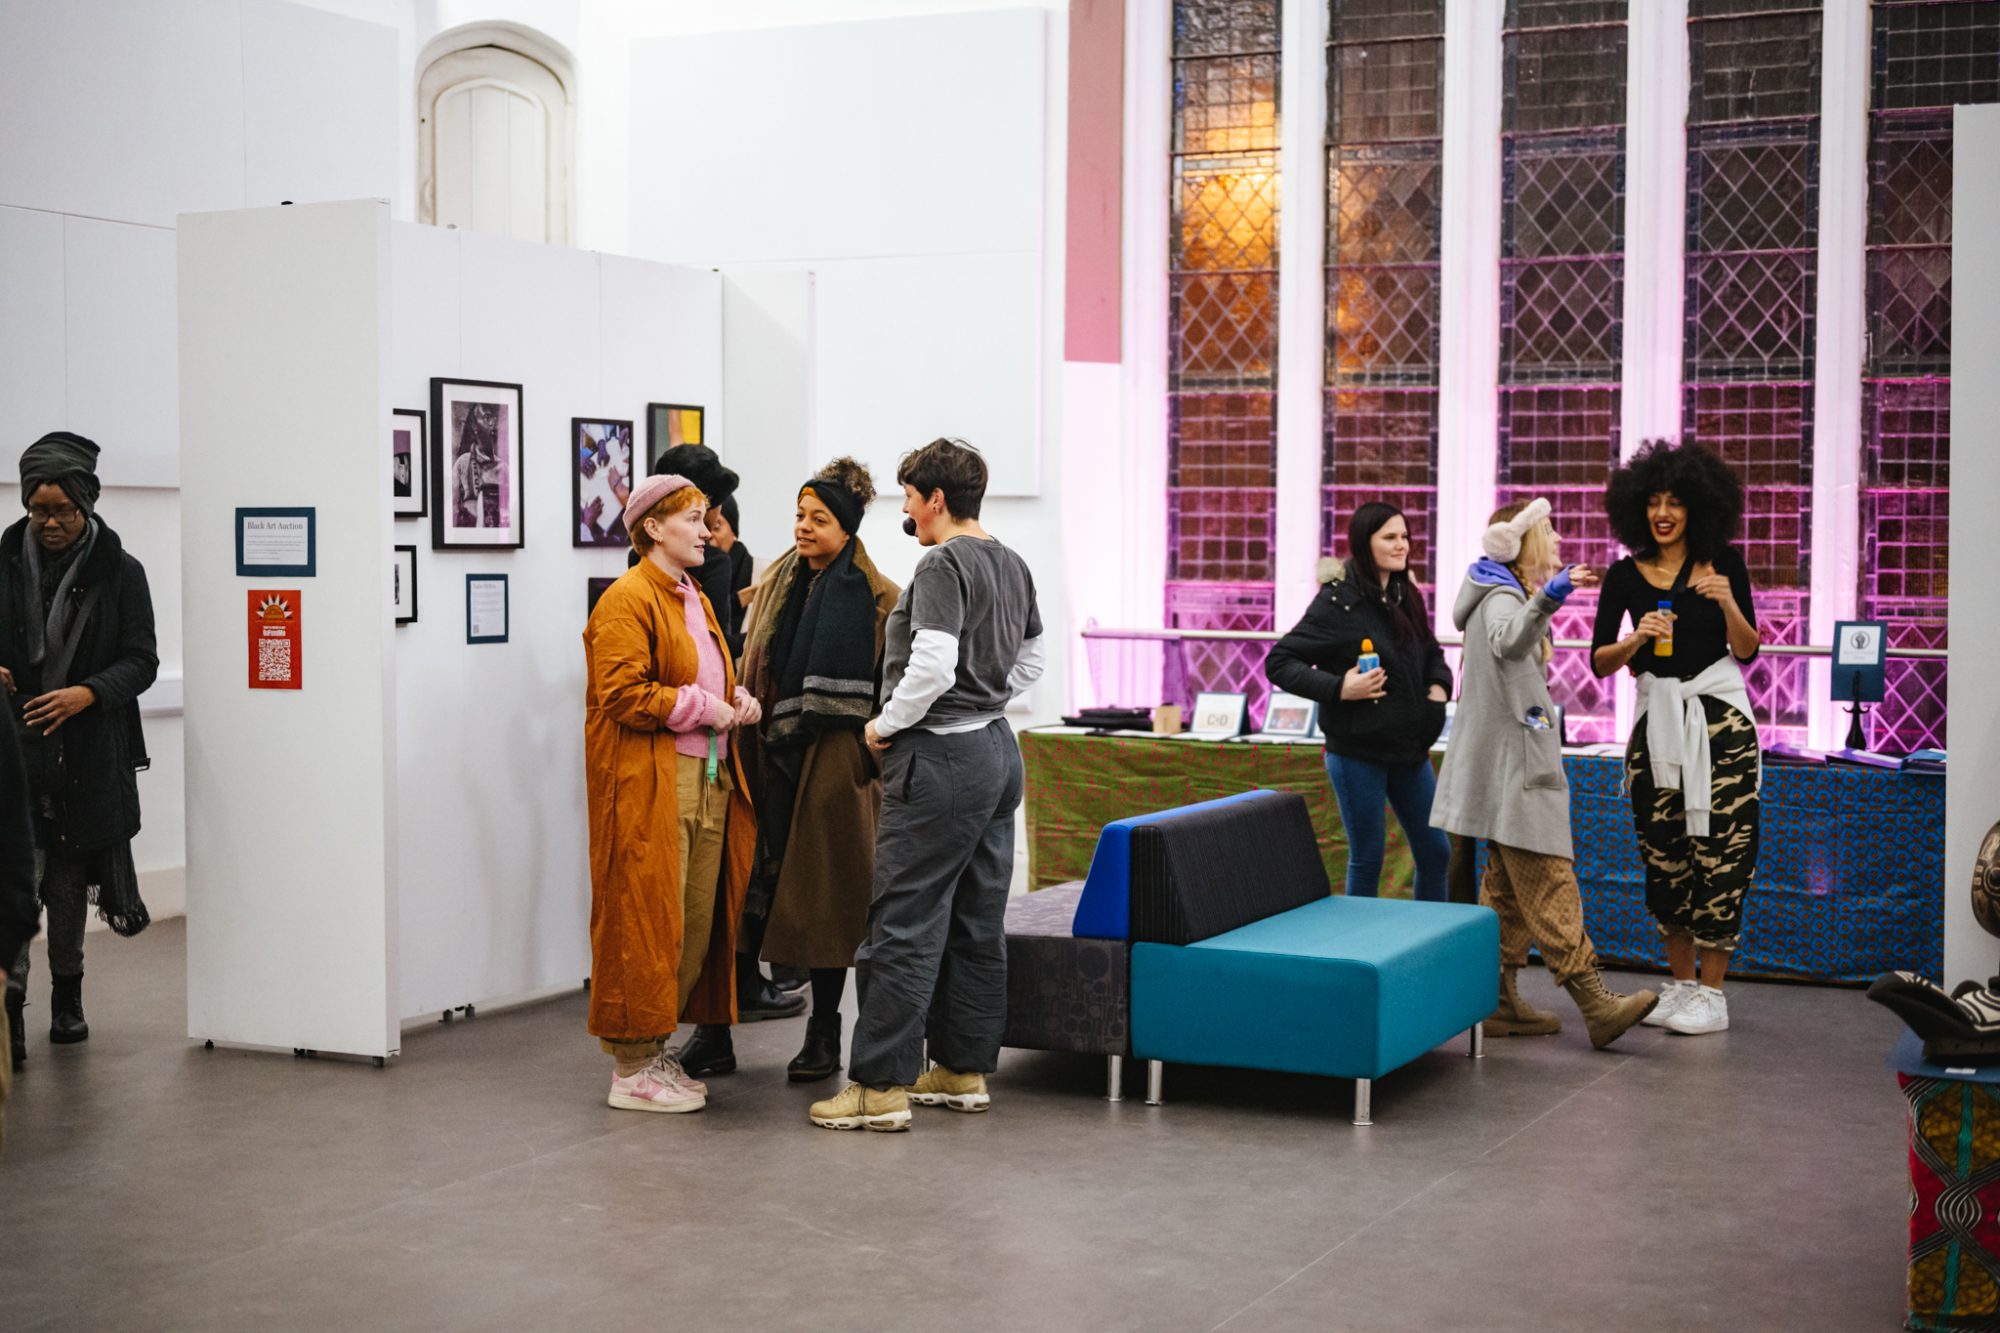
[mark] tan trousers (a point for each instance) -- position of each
(1537, 900)
(704, 814)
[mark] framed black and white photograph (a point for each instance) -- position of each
(486, 608)
(409, 462)
(669, 424)
(476, 466)
(405, 592)
(602, 481)
(1288, 715)
(595, 591)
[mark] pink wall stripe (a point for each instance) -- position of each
(1096, 168)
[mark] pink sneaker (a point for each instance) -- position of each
(651, 1089)
(669, 1067)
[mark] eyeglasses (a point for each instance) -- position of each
(58, 514)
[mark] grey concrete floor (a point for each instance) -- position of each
(1750, 1181)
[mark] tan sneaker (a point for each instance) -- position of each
(864, 1108)
(941, 1087)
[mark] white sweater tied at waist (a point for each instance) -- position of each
(1677, 733)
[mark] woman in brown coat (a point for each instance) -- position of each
(812, 657)
(671, 829)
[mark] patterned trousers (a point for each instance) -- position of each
(1538, 902)
(1695, 886)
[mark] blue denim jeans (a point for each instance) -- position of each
(1363, 789)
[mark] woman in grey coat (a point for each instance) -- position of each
(1503, 774)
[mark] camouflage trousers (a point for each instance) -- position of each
(1695, 886)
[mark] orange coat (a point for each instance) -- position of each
(637, 652)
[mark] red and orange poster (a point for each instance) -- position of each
(275, 661)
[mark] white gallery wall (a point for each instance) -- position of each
(492, 855)
(115, 116)
(406, 833)
(1972, 785)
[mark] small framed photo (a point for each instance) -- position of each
(409, 462)
(406, 585)
(1218, 716)
(476, 461)
(601, 482)
(1289, 715)
(669, 424)
(486, 608)
(593, 592)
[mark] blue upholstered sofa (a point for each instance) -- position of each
(1208, 935)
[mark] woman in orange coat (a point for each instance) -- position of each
(671, 830)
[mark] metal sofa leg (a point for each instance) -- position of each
(1155, 1077)
(1114, 1078)
(1478, 1051)
(1362, 1088)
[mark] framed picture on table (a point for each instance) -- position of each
(1217, 716)
(669, 424)
(476, 462)
(601, 481)
(1289, 715)
(409, 462)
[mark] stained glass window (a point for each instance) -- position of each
(1562, 297)
(1927, 57)
(1384, 191)
(1222, 355)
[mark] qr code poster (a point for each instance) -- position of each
(274, 639)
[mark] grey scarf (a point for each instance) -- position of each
(54, 627)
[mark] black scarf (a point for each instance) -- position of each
(823, 654)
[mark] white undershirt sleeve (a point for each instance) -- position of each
(1027, 668)
(932, 668)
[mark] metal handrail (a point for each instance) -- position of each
(1453, 641)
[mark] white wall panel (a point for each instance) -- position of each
(32, 317)
(122, 385)
(914, 348)
(900, 136)
(126, 109)
(768, 355)
(662, 343)
(320, 100)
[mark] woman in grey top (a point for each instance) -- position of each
(1503, 775)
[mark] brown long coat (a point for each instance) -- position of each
(638, 652)
(819, 909)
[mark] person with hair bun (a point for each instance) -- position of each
(813, 658)
(1693, 765)
(671, 828)
(1379, 724)
(1503, 775)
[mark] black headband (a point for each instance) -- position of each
(843, 504)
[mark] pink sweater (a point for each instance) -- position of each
(697, 706)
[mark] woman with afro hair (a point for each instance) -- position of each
(1693, 765)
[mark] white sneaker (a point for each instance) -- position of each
(1705, 1011)
(1672, 996)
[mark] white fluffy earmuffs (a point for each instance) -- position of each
(1503, 540)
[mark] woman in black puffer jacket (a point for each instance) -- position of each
(1379, 724)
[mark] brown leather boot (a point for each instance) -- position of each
(1606, 1014)
(1515, 1017)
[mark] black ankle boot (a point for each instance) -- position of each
(66, 1023)
(820, 1056)
(757, 999)
(17, 1036)
(708, 1052)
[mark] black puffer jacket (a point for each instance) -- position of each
(90, 766)
(1325, 645)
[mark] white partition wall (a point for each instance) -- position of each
(291, 913)
(406, 833)
(1972, 784)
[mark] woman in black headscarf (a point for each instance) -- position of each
(76, 652)
(813, 657)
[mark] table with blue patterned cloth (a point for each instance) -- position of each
(1850, 877)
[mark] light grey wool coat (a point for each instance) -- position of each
(1503, 779)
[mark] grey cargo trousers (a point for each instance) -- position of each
(934, 965)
